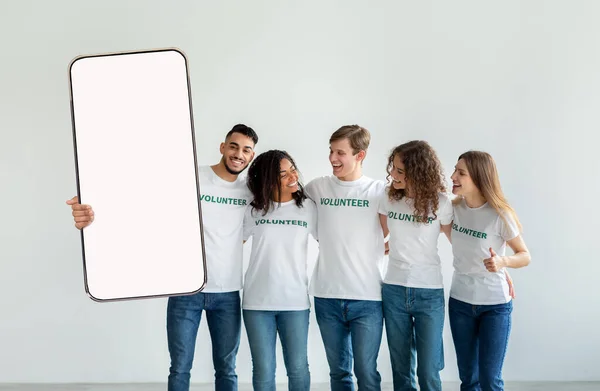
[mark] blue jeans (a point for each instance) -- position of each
(414, 324)
(262, 328)
(480, 334)
(223, 314)
(351, 329)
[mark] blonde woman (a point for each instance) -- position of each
(480, 303)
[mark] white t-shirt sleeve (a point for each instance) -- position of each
(383, 203)
(248, 223)
(310, 188)
(446, 211)
(314, 228)
(507, 227)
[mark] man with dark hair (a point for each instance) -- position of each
(224, 199)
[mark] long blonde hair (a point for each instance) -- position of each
(483, 172)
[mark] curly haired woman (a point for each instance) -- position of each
(415, 209)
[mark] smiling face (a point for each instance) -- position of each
(288, 175)
(462, 183)
(345, 164)
(398, 174)
(238, 152)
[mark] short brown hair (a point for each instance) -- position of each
(359, 137)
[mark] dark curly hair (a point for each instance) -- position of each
(424, 176)
(264, 180)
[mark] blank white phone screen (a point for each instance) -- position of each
(136, 166)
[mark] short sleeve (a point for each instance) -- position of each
(445, 212)
(384, 202)
(508, 227)
(248, 223)
(311, 189)
(314, 226)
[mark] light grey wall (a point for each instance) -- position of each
(517, 78)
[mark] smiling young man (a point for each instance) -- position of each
(224, 197)
(346, 282)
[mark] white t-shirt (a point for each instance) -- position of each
(474, 231)
(223, 206)
(276, 279)
(413, 260)
(351, 246)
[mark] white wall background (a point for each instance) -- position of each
(517, 78)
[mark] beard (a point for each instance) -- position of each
(229, 170)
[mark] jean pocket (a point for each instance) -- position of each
(432, 298)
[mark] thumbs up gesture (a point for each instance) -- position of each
(83, 215)
(494, 262)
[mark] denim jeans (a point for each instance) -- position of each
(223, 315)
(262, 328)
(414, 325)
(351, 329)
(480, 334)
